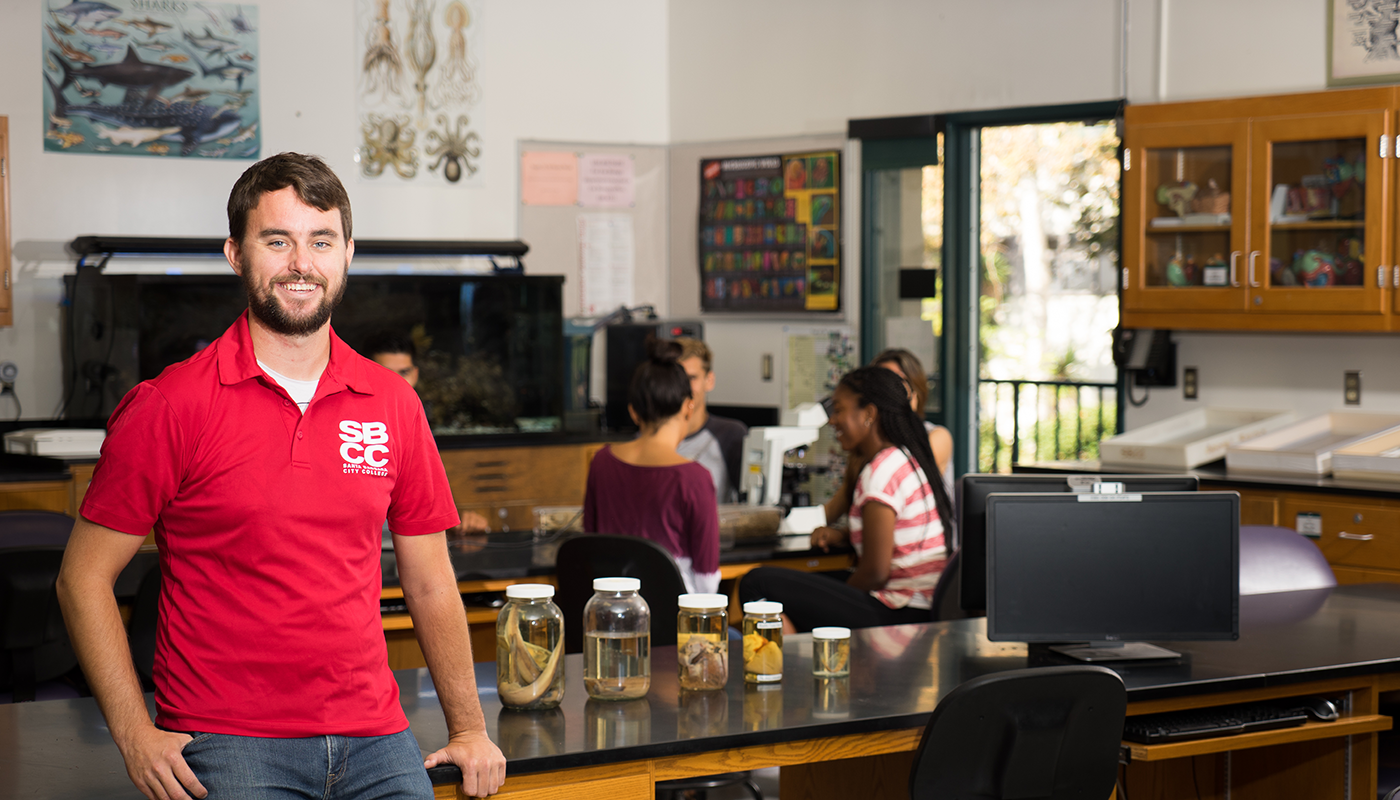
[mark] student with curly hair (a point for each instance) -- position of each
(896, 514)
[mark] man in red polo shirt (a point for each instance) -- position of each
(265, 464)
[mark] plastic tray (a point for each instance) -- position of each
(1375, 458)
(1191, 439)
(1306, 447)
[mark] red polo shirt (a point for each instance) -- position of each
(269, 527)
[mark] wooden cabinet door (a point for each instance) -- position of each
(1185, 254)
(7, 314)
(1320, 220)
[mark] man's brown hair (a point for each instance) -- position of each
(315, 184)
(694, 348)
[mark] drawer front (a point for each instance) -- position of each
(539, 475)
(1352, 534)
(1258, 508)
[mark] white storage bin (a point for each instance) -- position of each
(1191, 439)
(1306, 447)
(1375, 458)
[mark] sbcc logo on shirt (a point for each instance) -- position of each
(366, 447)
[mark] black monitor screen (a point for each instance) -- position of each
(1074, 568)
(972, 513)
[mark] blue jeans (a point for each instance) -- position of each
(315, 768)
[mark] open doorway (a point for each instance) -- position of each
(1048, 291)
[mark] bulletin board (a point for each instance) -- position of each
(769, 232)
(585, 218)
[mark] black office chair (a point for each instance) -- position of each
(35, 644)
(947, 593)
(1276, 559)
(597, 555)
(1050, 733)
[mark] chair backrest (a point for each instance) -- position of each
(34, 645)
(597, 555)
(947, 593)
(1280, 560)
(1050, 733)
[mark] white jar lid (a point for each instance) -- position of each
(831, 633)
(616, 584)
(529, 591)
(702, 601)
(763, 607)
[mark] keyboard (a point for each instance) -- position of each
(1204, 723)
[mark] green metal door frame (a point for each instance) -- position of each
(962, 223)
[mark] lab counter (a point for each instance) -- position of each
(853, 737)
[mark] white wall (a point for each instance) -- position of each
(549, 69)
(1301, 372)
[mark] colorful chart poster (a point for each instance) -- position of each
(141, 78)
(770, 235)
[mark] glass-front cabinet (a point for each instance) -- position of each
(1187, 190)
(1276, 217)
(1317, 237)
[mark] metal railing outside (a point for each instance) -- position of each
(1029, 420)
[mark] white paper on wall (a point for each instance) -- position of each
(607, 263)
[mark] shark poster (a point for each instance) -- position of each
(416, 82)
(159, 78)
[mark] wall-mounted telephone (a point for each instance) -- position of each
(1148, 356)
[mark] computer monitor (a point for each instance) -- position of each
(972, 493)
(1112, 569)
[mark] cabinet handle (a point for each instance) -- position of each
(1235, 257)
(1253, 254)
(1395, 276)
(1356, 537)
(1385, 145)
(1380, 277)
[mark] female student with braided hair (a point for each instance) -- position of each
(896, 515)
(645, 488)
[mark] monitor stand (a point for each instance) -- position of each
(1114, 651)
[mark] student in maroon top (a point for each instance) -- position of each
(645, 488)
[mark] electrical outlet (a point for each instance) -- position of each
(1188, 383)
(1351, 388)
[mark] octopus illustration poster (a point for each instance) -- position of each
(166, 78)
(417, 82)
(770, 233)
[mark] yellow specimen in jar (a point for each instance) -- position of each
(762, 655)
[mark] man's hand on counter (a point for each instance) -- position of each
(482, 764)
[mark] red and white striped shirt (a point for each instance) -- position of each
(893, 478)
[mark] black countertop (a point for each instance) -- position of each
(1215, 472)
(61, 748)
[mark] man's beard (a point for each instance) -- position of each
(263, 304)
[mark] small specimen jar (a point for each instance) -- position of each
(763, 642)
(702, 641)
(616, 640)
(831, 652)
(530, 648)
